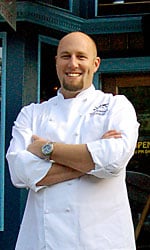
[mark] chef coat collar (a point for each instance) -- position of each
(85, 93)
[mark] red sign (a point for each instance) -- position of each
(9, 12)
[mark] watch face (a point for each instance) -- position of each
(47, 149)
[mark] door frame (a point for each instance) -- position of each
(2, 127)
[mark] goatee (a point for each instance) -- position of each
(72, 87)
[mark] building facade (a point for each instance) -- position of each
(27, 73)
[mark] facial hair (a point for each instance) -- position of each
(72, 87)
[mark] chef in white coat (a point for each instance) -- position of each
(71, 152)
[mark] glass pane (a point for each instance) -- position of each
(121, 7)
(139, 96)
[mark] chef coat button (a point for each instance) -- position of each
(84, 100)
(50, 119)
(67, 210)
(76, 134)
(46, 211)
(69, 183)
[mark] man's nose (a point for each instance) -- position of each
(73, 62)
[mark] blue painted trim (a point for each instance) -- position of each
(125, 65)
(96, 7)
(2, 129)
(39, 71)
(51, 17)
(116, 24)
(71, 5)
(96, 81)
(48, 40)
(59, 19)
(121, 65)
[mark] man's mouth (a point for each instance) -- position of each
(73, 74)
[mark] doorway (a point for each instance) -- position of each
(48, 81)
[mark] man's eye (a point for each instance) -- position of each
(65, 56)
(81, 57)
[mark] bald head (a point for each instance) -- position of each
(79, 37)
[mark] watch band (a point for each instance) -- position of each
(47, 150)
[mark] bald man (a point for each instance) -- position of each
(71, 152)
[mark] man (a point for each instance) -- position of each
(71, 152)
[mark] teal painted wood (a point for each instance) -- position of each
(51, 17)
(121, 65)
(2, 128)
(125, 65)
(64, 20)
(16, 61)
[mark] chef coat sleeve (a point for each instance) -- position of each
(112, 155)
(25, 168)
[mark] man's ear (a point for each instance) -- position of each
(97, 63)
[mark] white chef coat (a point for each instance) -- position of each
(88, 213)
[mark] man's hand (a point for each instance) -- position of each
(111, 134)
(59, 173)
(36, 146)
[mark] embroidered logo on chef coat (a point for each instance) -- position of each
(101, 109)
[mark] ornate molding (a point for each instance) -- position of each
(113, 25)
(50, 17)
(63, 20)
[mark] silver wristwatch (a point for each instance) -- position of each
(47, 149)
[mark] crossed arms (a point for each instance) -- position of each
(70, 160)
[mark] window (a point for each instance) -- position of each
(136, 87)
(139, 96)
(120, 7)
